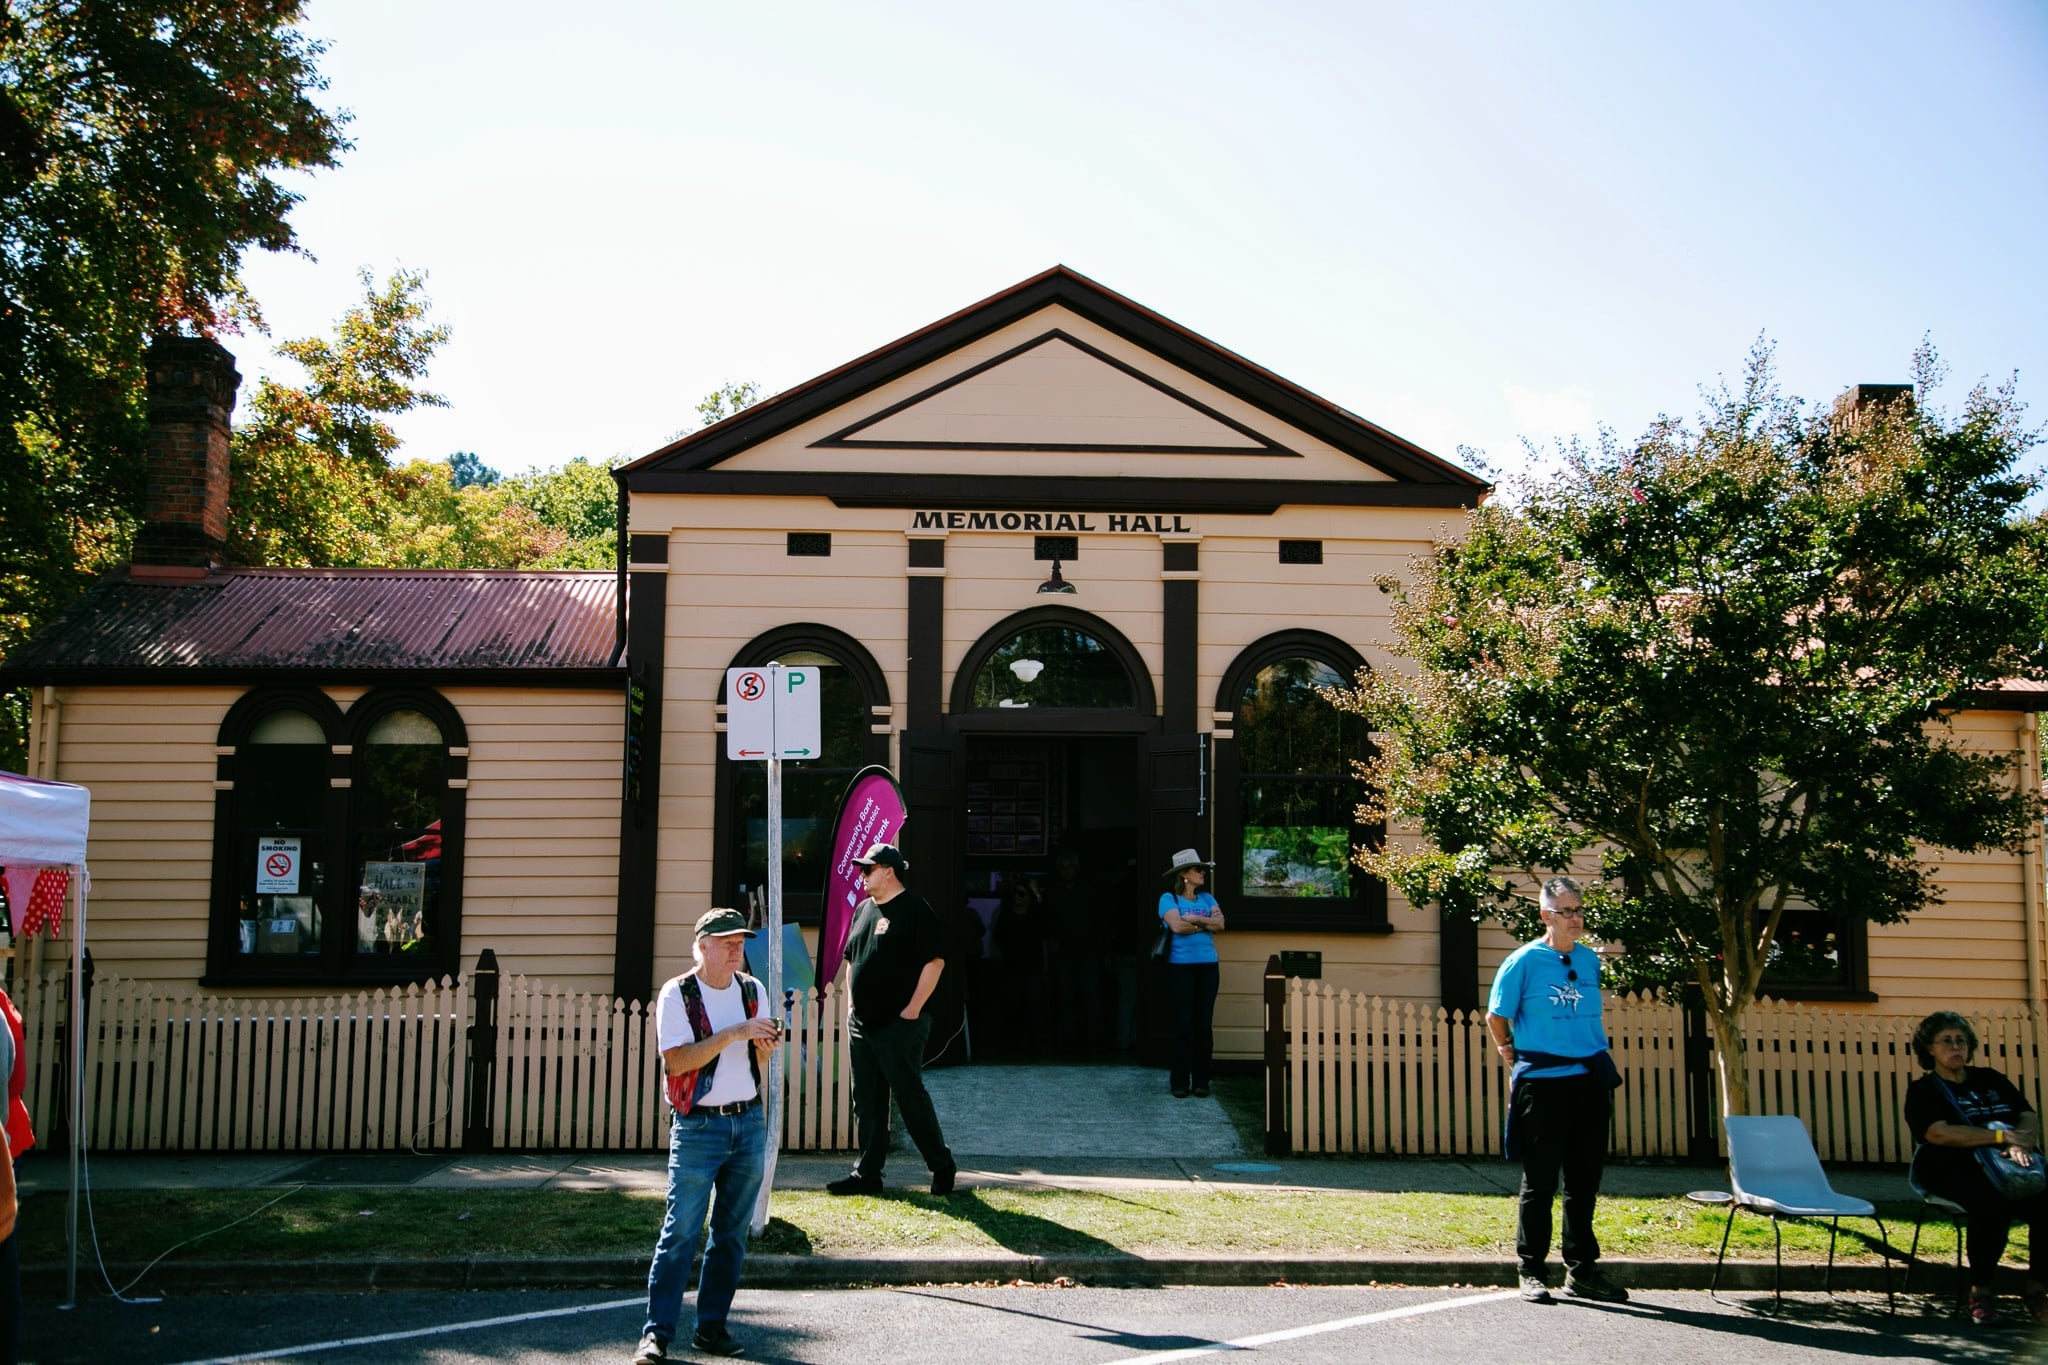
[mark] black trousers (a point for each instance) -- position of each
(1561, 1123)
(1191, 996)
(890, 1061)
(1988, 1217)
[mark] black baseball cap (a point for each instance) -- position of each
(888, 855)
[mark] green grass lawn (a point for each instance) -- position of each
(405, 1224)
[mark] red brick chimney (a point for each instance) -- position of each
(192, 383)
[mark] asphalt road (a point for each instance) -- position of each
(1032, 1326)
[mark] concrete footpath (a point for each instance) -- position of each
(186, 1273)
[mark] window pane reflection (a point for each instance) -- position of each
(1295, 792)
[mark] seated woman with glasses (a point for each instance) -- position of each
(1952, 1110)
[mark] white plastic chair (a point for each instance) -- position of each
(1774, 1171)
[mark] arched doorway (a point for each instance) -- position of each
(1050, 710)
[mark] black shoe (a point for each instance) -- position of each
(1534, 1290)
(1593, 1285)
(651, 1351)
(1180, 1092)
(1201, 1092)
(942, 1181)
(713, 1340)
(854, 1184)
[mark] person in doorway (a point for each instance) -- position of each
(1194, 919)
(1955, 1110)
(1076, 960)
(715, 1029)
(1022, 937)
(14, 1068)
(895, 953)
(1544, 1017)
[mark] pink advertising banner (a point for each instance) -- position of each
(871, 813)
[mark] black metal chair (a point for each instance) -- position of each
(1936, 1204)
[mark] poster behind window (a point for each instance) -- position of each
(391, 907)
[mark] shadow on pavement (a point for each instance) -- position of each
(1131, 1341)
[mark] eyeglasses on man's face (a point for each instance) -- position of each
(1949, 1040)
(1576, 912)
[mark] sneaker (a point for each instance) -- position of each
(713, 1340)
(1591, 1284)
(854, 1184)
(1984, 1311)
(1534, 1290)
(651, 1351)
(942, 1181)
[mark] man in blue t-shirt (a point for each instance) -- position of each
(1544, 1015)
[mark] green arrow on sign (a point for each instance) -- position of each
(787, 752)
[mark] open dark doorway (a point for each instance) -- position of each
(1051, 854)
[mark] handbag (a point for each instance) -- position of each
(2008, 1177)
(1162, 947)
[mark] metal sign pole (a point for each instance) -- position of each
(772, 1102)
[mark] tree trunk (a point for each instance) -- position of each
(1729, 1059)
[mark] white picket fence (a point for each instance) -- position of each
(1366, 1075)
(174, 1069)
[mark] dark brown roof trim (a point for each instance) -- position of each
(128, 675)
(1370, 444)
(846, 439)
(2004, 699)
(1243, 497)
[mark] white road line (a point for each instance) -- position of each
(441, 1330)
(1318, 1328)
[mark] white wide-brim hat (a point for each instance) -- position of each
(1184, 860)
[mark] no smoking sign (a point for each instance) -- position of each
(277, 867)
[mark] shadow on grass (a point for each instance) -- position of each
(781, 1238)
(1027, 1234)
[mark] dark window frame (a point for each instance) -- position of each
(1364, 909)
(331, 846)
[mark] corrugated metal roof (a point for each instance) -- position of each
(326, 620)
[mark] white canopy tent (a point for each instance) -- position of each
(44, 823)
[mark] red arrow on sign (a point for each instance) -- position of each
(752, 753)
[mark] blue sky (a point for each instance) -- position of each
(1471, 225)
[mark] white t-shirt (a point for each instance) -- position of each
(734, 1079)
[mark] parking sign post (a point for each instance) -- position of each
(772, 713)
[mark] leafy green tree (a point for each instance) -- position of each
(141, 147)
(469, 471)
(1725, 660)
(310, 474)
(727, 399)
(577, 507)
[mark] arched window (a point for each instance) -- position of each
(1053, 658)
(1294, 785)
(851, 693)
(1287, 797)
(337, 839)
(1052, 665)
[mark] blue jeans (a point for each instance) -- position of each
(706, 1153)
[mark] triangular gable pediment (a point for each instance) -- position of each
(1054, 392)
(1096, 386)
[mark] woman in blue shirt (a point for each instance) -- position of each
(1192, 916)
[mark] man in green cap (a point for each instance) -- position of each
(715, 1028)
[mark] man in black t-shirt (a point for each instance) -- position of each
(895, 952)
